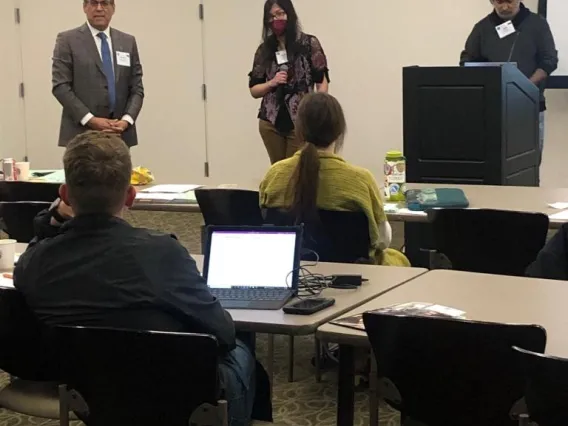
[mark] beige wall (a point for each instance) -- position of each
(367, 42)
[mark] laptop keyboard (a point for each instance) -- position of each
(249, 294)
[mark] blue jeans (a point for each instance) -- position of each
(237, 376)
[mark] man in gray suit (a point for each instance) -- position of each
(97, 77)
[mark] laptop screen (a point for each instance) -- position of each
(251, 258)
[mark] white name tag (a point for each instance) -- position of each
(123, 59)
(281, 57)
(505, 29)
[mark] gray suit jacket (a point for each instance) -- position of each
(80, 85)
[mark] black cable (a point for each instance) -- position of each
(311, 284)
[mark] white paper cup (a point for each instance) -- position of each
(22, 170)
(7, 254)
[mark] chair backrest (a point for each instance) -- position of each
(29, 191)
(23, 352)
(140, 378)
(18, 218)
(489, 241)
(338, 236)
(546, 391)
(229, 207)
(450, 372)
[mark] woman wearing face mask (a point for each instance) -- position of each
(287, 65)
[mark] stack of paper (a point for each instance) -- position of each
(171, 189)
(6, 282)
(563, 215)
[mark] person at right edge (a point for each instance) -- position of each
(287, 66)
(529, 44)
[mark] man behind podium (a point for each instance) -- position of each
(526, 41)
(97, 77)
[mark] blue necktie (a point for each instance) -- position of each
(108, 69)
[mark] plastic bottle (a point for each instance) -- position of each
(395, 176)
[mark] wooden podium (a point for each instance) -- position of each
(468, 125)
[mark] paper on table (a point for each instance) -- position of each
(171, 189)
(6, 282)
(392, 208)
(54, 176)
(563, 215)
(559, 206)
(152, 196)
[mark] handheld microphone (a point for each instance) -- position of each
(280, 89)
(513, 46)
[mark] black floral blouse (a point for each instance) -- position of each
(307, 69)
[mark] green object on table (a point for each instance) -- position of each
(395, 176)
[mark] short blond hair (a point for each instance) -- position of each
(97, 172)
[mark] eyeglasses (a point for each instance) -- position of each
(278, 15)
(105, 4)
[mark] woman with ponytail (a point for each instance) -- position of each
(287, 65)
(317, 178)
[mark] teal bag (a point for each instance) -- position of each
(430, 198)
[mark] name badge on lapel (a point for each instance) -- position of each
(123, 59)
(505, 29)
(281, 57)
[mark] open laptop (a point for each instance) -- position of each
(253, 267)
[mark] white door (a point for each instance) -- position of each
(12, 129)
(171, 127)
(232, 34)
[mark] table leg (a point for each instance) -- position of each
(317, 363)
(291, 359)
(270, 362)
(346, 386)
(373, 397)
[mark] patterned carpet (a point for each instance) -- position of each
(301, 403)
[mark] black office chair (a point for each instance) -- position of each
(28, 191)
(546, 391)
(487, 241)
(18, 218)
(26, 355)
(338, 236)
(136, 378)
(445, 372)
(231, 207)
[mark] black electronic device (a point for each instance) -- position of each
(308, 306)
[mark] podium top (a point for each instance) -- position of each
(488, 64)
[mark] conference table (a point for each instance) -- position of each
(483, 297)
(515, 198)
(381, 279)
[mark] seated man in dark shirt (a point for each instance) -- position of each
(89, 267)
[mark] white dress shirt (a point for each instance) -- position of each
(99, 42)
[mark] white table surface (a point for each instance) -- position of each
(381, 279)
(492, 298)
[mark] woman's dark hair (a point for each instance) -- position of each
(269, 40)
(320, 122)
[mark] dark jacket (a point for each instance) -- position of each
(552, 261)
(100, 271)
(531, 47)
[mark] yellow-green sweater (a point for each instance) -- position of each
(342, 186)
